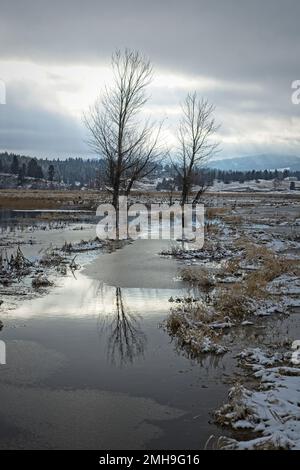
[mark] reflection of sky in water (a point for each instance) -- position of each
(83, 297)
(120, 316)
(34, 242)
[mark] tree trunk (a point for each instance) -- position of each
(185, 193)
(115, 203)
(199, 193)
(128, 189)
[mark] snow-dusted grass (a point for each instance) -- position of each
(271, 411)
(238, 274)
(196, 327)
(198, 276)
(248, 268)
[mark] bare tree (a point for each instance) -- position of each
(125, 339)
(129, 147)
(200, 181)
(170, 191)
(196, 146)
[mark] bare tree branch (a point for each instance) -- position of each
(195, 137)
(129, 148)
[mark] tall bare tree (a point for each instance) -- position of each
(196, 141)
(129, 147)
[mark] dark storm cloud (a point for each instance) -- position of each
(243, 43)
(232, 38)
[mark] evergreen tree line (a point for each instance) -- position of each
(253, 175)
(70, 171)
(91, 172)
(207, 176)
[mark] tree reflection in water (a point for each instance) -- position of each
(125, 339)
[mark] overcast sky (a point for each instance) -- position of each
(241, 55)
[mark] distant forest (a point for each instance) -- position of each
(90, 172)
(71, 171)
(207, 176)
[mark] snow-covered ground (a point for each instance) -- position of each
(270, 410)
(259, 185)
(246, 273)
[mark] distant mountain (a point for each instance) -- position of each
(258, 162)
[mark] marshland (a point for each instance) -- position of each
(149, 227)
(149, 336)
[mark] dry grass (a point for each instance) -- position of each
(213, 212)
(252, 251)
(235, 300)
(190, 325)
(242, 241)
(174, 322)
(232, 302)
(176, 250)
(55, 199)
(270, 270)
(271, 264)
(231, 266)
(188, 312)
(209, 245)
(254, 286)
(29, 199)
(235, 410)
(255, 252)
(233, 219)
(277, 266)
(52, 258)
(211, 229)
(198, 276)
(41, 281)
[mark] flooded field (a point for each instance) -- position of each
(90, 364)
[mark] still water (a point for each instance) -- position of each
(89, 365)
